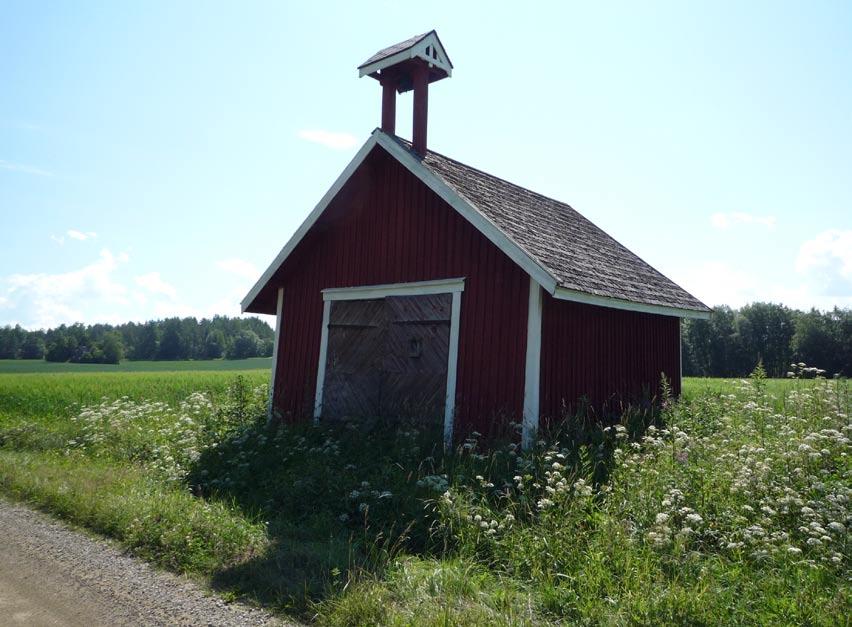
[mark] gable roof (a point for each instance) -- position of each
(427, 46)
(564, 252)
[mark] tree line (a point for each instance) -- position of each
(169, 339)
(732, 341)
(729, 344)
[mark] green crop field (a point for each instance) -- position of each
(729, 507)
(20, 366)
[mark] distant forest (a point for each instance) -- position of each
(169, 339)
(729, 344)
(732, 341)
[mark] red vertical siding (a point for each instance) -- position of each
(605, 355)
(385, 226)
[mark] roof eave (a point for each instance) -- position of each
(563, 293)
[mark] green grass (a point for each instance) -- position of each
(698, 386)
(35, 408)
(159, 522)
(21, 366)
(50, 396)
(370, 524)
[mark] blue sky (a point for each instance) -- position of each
(154, 157)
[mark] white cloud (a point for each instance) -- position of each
(240, 267)
(80, 235)
(822, 278)
(47, 300)
(825, 263)
(155, 284)
(105, 290)
(24, 169)
(329, 139)
(830, 251)
(734, 218)
(719, 283)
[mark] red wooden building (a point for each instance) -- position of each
(421, 285)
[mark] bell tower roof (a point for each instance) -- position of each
(399, 58)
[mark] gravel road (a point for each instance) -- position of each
(53, 575)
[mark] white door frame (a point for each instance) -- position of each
(374, 292)
(279, 309)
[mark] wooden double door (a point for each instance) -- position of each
(387, 358)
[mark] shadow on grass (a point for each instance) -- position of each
(343, 499)
(336, 499)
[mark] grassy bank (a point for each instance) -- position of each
(732, 506)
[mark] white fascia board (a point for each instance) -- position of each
(386, 62)
(470, 213)
(419, 288)
(309, 221)
(616, 303)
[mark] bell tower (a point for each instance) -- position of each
(409, 65)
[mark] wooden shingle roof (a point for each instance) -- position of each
(392, 50)
(568, 255)
(579, 254)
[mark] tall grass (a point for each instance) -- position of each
(732, 505)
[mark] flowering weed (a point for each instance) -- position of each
(731, 506)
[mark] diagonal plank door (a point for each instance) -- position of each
(356, 331)
(388, 357)
(415, 358)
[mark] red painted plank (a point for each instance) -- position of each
(404, 232)
(610, 356)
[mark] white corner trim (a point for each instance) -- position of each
(617, 303)
(452, 370)
(532, 373)
(309, 221)
(680, 350)
(417, 288)
(470, 213)
(323, 355)
(372, 292)
(279, 308)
